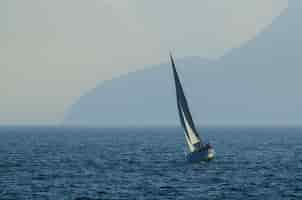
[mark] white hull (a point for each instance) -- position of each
(203, 155)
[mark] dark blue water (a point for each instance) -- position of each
(70, 163)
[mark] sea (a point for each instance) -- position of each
(76, 163)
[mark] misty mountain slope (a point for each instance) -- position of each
(130, 96)
(256, 83)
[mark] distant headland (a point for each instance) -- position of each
(258, 83)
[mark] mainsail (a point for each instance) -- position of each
(192, 137)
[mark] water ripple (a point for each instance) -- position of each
(91, 164)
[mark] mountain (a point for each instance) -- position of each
(258, 83)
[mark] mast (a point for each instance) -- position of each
(192, 137)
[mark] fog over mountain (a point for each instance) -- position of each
(258, 83)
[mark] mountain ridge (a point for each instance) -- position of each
(256, 83)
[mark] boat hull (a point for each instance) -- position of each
(198, 156)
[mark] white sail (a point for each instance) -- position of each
(191, 146)
(192, 137)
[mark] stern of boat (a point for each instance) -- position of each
(204, 155)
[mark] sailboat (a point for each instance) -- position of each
(198, 150)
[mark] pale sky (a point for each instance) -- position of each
(53, 51)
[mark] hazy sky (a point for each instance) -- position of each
(52, 51)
